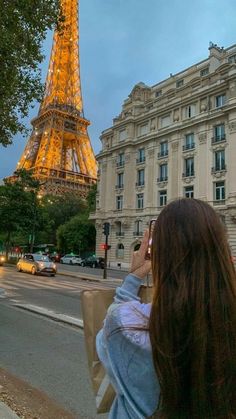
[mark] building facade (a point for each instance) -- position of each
(174, 139)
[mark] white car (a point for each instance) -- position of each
(71, 259)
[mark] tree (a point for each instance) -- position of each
(23, 27)
(56, 211)
(91, 198)
(19, 209)
(77, 235)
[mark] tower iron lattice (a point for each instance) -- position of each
(59, 153)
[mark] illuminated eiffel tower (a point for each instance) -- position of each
(59, 152)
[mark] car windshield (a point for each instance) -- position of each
(41, 258)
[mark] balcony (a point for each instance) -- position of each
(138, 233)
(162, 179)
(121, 186)
(218, 139)
(140, 160)
(221, 168)
(120, 234)
(120, 164)
(162, 154)
(188, 146)
(188, 174)
(139, 184)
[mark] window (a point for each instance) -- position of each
(189, 192)
(219, 157)
(143, 129)
(232, 59)
(204, 72)
(220, 101)
(158, 93)
(179, 83)
(120, 160)
(165, 121)
(138, 228)
(189, 167)
(163, 172)
(141, 155)
(139, 202)
(219, 133)
(120, 251)
(162, 198)
(219, 192)
(190, 111)
(140, 177)
(119, 202)
(123, 135)
(119, 229)
(120, 180)
(189, 142)
(163, 149)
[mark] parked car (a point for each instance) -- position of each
(71, 259)
(36, 263)
(55, 257)
(94, 262)
(2, 260)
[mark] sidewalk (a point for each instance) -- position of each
(6, 412)
(20, 400)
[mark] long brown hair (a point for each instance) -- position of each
(193, 316)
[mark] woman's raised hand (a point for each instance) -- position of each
(140, 266)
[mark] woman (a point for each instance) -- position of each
(176, 358)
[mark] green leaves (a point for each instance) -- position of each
(63, 219)
(23, 28)
(77, 235)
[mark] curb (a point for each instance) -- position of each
(91, 278)
(61, 318)
(83, 278)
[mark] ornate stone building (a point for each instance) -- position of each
(174, 139)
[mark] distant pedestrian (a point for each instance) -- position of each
(176, 358)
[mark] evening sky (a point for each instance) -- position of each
(123, 42)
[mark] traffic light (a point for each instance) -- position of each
(106, 229)
(105, 246)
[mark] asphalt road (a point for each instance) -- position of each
(49, 355)
(111, 273)
(60, 294)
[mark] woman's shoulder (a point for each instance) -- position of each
(128, 315)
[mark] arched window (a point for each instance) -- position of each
(120, 251)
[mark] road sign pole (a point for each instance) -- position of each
(105, 262)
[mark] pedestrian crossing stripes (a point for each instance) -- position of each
(72, 285)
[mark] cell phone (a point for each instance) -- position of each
(151, 228)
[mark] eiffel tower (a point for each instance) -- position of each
(59, 153)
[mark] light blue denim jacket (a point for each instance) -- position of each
(123, 346)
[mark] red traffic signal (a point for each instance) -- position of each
(105, 246)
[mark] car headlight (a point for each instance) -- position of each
(2, 258)
(54, 266)
(41, 265)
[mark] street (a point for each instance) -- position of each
(111, 273)
(49, 355)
